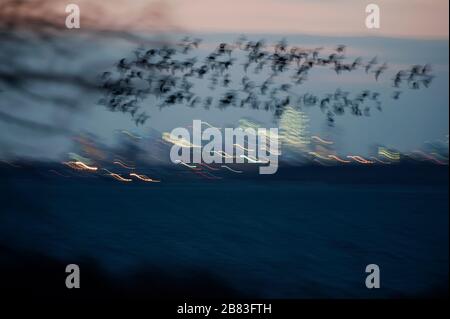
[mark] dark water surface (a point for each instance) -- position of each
(249, 237)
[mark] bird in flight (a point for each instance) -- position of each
(176, 74)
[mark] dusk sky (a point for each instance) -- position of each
(420, 26)
(402, 18)
(399, 18)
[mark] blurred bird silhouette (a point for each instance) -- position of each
(170, 75)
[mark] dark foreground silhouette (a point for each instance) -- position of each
(33, 276)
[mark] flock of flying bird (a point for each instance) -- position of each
(170, 73)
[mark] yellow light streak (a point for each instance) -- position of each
(338, 159)
(144, 178)
(321, 140)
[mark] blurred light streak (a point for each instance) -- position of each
(243, 148)
(321, 140)
(359, 159)
(338, 159)
(379, 161)
(135, 136)
(429, 157)
(205, 123)
(120, 178)
(440, 156)
(187, 165)
(123, 160)
(244, 124)
(223, 154)
(269, 135)
(388, 154)
(144, 178)
(80, 166)
(319, 156)
(178, 141)
(123, 165)
(80, 158)
(229, 168)
(253, 159)
(293, 128)
(107, 170)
